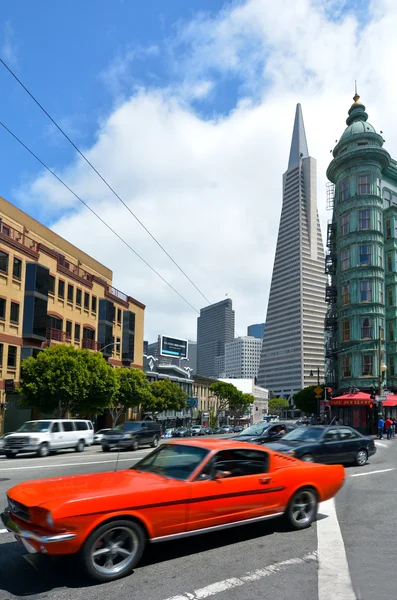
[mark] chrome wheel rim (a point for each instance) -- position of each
(362, 457)
(155, 442)
(43, 451)
(114, 551)
(307, 458)
(303, 507)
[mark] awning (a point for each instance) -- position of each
(359, 399)
(390, 401)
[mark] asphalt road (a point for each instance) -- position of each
(349, 554)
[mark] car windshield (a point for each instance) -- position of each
(34, 426)
(175, 461)
(256, 429)
(128, 427)
(306, 434)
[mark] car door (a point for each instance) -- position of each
(246, 489)
(145, 434)
(69, 435)
(330, 447)
(56, 436)
(350, 443)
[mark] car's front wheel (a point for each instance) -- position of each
(113, 550)
(302, 508)
(307, 458)
(361, 458)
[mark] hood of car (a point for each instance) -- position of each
(88, 494)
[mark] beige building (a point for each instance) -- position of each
(51, 292)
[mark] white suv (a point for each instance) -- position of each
(49, 435)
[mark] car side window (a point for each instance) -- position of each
(331, 435)
(348, 434)
(55, 428)
(81, 425)
(236, 463)
(67, 425)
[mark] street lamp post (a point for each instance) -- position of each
(317, 394)
(108, 346)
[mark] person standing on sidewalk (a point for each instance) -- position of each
(388, 427)
(381, 426)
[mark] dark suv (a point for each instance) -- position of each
(132, 435)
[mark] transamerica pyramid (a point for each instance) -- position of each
(293, 344)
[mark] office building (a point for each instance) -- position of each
(257, 330)
(293, 344)
(215, 327)
(242, 357)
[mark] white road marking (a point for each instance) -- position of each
(3, 530)
(73, 464)
(234, 582)
(381, 444)
(373, 472)
(334, 581)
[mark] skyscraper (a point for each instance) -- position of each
(242, 356)
(257, 330)
(293, 345)
(215, 327)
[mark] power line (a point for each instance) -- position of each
(94, 213)
(102, 178)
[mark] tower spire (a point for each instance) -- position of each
(356, 97)
(299, 147)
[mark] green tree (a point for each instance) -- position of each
(166, 395)
(63, 379)
(277, 405)
(132, 390)
(305, 400)
(229, 398)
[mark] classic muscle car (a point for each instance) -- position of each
(182, 488)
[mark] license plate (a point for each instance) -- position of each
(31, 549)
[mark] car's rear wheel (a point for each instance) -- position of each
(302, 508)
(361, 458)
(80, 446)
(113, 550)
(307, 458)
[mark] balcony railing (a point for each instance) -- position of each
(91, 344)
(18, 236)
(74, 269)
(58, 335)
(117, 294)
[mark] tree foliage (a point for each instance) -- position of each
(132, 390)
(63, 379)
(166, 395)
(305, 400)
(277, 405)
(229, 398)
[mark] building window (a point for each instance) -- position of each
(118, 345)
(3, 262)
(69, 329)
(86, 300)
(380, 257)
(93, 304)
(17, 268)
(389, 260)
(12, 357)
(390, 331)
(344, 259)
(394, 198)
(363, 218)
(2, 309)
(346, 331)
(365, 255)
(366, 329)
(388, 229)
(387, 197)
(381, 295)
(346, 370)
(365, 291)
(119, 315)
(345, 294)
(51, 284)
(367, 364)
(379, 221)
(343, 190)
(61, 288)
(1, 355)
(390, 296)
(14, 313)
(391, 366)
(78, 297)
(77, 330)
(378, 187)
(344, 224)
(70, 292)
(363, 184)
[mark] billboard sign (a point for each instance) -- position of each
(173, 347)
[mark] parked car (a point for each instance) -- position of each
(264, 432)
(168, 433)
(49, 435)
(2, 438)
(226, 429)
(208, 431)
(174, 491)
(98, 436)
(182, 432)
(197, 430)
(132, 435)
(332, 444)
(238, 428)
(218, 430)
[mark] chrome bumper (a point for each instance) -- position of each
(14, 528)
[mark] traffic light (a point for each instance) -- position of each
(329, 390)
(373, 392)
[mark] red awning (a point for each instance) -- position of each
(390, 401)
(359, 399)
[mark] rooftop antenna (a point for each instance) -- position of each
(356, 96)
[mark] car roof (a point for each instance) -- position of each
(215, 444)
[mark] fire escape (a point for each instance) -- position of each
(331, 321)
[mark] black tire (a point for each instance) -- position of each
(302, 508)
(133, 537)
(155, 442)
(135, 445)
(80, 447)
(10, 454)
(43, 451)
(361, 458)
(307, 458)
(105, 448)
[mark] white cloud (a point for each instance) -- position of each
(210, 190)
(9, 46)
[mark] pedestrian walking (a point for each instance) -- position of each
(381, 426)
(388, 427)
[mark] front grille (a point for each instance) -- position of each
(18, 509)
(16, 442)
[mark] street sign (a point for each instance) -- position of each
(192, 402)
(318, 390)
(318, 397)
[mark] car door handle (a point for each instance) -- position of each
(264, 480)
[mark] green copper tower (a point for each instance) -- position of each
(360, 326)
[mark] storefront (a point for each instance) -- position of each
(356, 410)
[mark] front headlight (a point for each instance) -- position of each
(49, 520)
(34, 440)
(127, 435)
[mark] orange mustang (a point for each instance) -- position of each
(181, 488)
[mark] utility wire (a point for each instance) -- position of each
(102, 178)
(94, 213)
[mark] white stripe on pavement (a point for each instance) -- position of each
(334, 581)
(382, 444)
(3, 530)
(234, 582)
(373, 472)
(73, 464)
